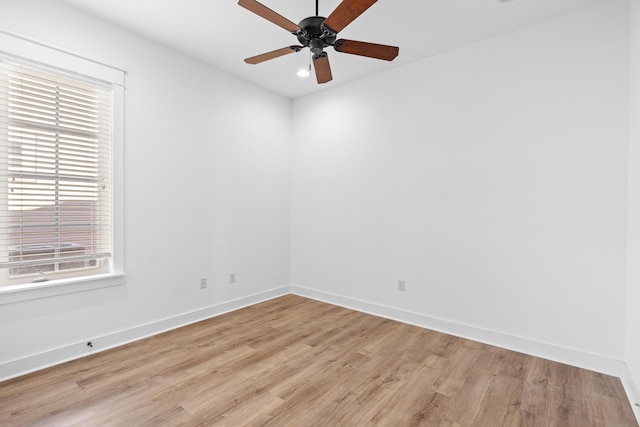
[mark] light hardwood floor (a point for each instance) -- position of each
(293, 361)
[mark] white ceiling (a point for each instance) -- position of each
(222, 34)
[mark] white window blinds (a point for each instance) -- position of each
(55, 174)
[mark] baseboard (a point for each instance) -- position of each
(632, 389)
(580, 359)
(64, 354)
(568, 356)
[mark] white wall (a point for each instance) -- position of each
(491, 178)
(633, 256)
(207, 193)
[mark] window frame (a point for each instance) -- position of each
(48, 57)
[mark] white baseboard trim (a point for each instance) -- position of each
(632, 389)
(35, 362)
(556, 353)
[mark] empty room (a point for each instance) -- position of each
(320, 213)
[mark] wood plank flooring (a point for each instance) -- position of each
(293, 361)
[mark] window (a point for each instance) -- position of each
(56, 175)
(61, 172)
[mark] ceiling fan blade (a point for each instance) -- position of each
(345, 13)
(322, 67)
(371, 50)
(273, 54)
(268, 14)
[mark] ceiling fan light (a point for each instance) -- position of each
(302, 72)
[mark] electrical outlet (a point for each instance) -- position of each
(203, 283)
(401, 284)
(232, 277)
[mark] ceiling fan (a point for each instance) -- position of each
(317, 33)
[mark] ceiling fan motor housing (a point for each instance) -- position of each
(314, 35)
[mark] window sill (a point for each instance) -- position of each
(29, 291)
